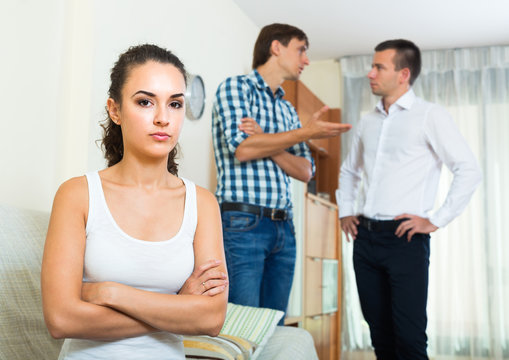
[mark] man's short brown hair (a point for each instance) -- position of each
(281, 32)
(407, 55)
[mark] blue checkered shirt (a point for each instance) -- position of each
(260, 182)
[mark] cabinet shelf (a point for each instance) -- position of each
(321, 200)
(293, 320)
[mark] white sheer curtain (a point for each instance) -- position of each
(468, 304)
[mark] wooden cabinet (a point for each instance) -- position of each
(326, 152)
(320, 230)
(321, 295)
(312, 286)
(322, 276)
(324, 330)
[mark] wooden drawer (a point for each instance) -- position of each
(325, 332)
(314, 325)
(313, 286)
(331, 332)
(321, 228)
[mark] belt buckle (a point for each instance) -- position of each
(370, 225)
(274, 212)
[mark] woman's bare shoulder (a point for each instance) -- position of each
(206, 202)
(74, 185)
(73, 192)
(203, 195)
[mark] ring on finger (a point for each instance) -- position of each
(203, 284)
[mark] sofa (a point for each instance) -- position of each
(23, 334)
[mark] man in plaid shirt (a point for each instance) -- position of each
(259, 144)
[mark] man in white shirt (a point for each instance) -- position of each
(397, 152)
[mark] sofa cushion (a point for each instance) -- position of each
(23, 334)
(289, 343)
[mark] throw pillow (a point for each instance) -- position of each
(254, 324)
(222, 347)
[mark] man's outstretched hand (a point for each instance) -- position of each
(319, 129)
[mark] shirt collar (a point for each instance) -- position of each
(260, 83)
(405, 101)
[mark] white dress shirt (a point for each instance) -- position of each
(398, 157)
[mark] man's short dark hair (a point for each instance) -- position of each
(281, 32)
(407, 55)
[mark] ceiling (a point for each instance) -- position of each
(337, 28)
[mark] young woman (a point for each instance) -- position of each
(132, 249)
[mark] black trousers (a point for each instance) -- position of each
(392, 280)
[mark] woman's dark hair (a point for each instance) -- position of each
(281, 32)
(407, 55)
(112, 143)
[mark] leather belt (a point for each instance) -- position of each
(273, 214)
(379, 225)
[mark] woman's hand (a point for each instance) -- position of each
(205, 280)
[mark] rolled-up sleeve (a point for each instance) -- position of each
(300, 149)
(231, 105)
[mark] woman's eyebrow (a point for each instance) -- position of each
(148, 93)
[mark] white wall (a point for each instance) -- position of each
(323, 78)
(55, 77)
(30, 99)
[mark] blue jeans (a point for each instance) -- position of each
(260, 255)
(392, 280)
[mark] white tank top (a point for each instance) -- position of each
(160, 266)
